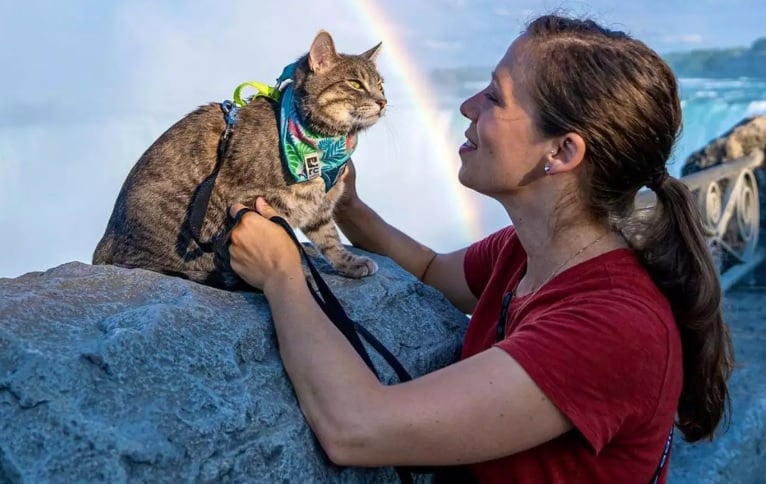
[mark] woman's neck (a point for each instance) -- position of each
(555, 240)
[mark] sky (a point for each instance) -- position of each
(89, 84)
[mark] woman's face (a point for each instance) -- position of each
(503, 151)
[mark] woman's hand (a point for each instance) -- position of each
(261, 250)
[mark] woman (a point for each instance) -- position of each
(611, 329)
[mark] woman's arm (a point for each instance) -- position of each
(367, 230)
(479, 409)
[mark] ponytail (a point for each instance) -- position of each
(674, 251)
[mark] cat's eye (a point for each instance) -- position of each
(356, 85)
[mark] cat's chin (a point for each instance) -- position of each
(351, 123)
(355, 127)
(366, 122)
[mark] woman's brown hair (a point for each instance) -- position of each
(622, 99)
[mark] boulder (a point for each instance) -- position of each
(116, 375)
(745, 137)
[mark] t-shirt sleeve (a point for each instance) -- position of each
(599, 361)
(480, 258)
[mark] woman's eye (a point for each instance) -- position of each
(490, 96)
(355, 84)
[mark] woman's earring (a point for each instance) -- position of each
(547, 169)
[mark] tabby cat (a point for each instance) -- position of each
(335, 95)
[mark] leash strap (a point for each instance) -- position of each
(335, 313)
(202, 197)
(664, 458)
(385, 353)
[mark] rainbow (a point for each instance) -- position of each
(425, 104)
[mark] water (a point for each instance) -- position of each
(711, 107)
(59, 176)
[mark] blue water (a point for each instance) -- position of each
(711, 107)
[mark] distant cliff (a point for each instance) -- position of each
(735, 62)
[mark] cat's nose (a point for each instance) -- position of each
(381, 103)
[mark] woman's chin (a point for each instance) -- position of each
(462, 176)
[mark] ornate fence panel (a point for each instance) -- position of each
(728, 197)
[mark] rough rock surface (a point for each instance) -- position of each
(745, 137)
(115, 375)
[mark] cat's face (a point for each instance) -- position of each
(340, 93)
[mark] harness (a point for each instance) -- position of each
(305, 154)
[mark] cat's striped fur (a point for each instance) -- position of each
(338, 94)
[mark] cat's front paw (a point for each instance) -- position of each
(356, 266)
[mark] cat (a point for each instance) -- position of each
(336, 95)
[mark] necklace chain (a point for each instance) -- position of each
(561, 266)
(502, 326)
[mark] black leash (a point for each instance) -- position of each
(664, 458)
(329, 304)
(335, 313)
(334, 310)
(205, 189)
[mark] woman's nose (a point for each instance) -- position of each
(468, 107)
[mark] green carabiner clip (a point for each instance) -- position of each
(261, 90)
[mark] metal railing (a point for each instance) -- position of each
(728, 197)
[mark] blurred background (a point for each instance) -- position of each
(88, 85)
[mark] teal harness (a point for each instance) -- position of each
(305, 153)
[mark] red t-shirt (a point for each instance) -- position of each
(601, 342)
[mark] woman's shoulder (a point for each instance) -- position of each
(495, 248)
(616, 289)
(615, 272)
(499, 239)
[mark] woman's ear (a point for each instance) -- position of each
(566, 154)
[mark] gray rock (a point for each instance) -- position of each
(116, 375)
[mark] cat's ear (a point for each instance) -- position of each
(372, 54)
(322, 54)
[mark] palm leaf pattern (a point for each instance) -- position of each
(294, 160)
(298, 141)
(333, 149)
